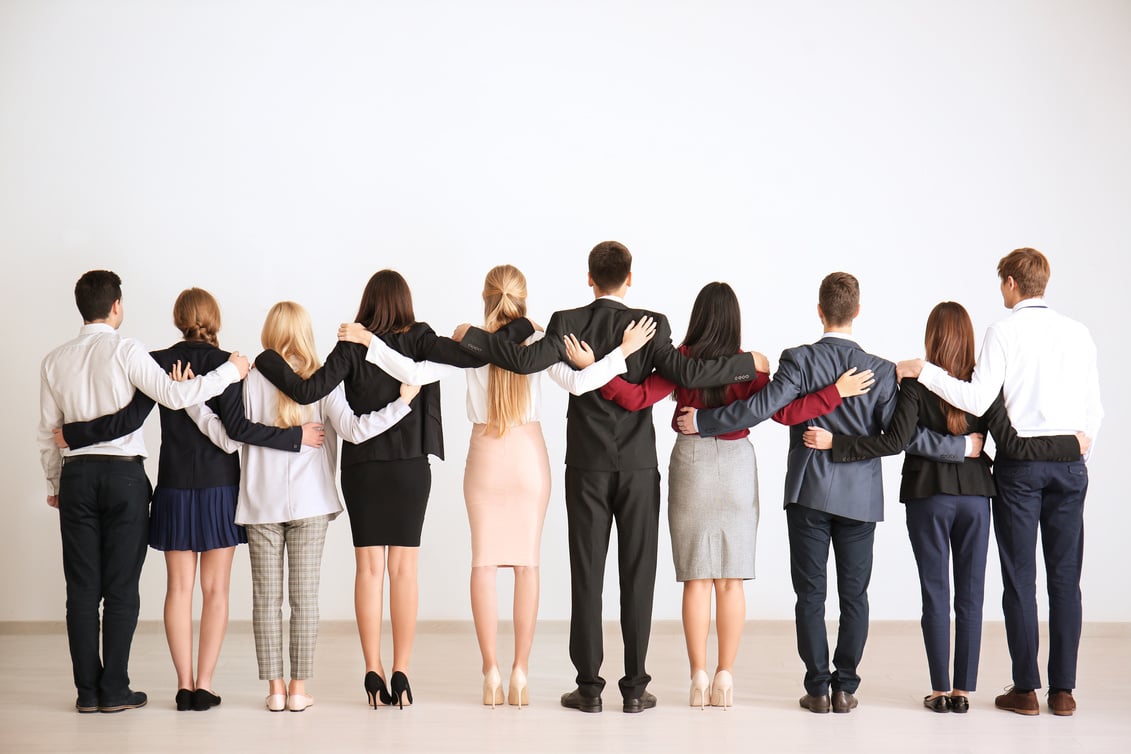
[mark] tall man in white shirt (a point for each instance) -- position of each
(1046, 365)
(102, 491)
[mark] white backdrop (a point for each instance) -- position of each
(271, 150)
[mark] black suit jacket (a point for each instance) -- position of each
(188, 458)
(918, 407)
(600, 435)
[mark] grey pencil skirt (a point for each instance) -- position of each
(713, 508)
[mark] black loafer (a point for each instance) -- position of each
(641, 703)
(86, 705)
(203, 699)
(131, 700)
(184, 700)
(575, 700)
(959, 704)
(938, 703)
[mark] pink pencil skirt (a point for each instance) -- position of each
(506, 484)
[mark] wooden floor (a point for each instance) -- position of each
(36, 712)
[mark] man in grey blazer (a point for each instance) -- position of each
(825, 501)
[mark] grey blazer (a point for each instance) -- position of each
(853, 490)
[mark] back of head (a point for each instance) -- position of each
(197, 315)
(949, 343)
(1029, 269)
(95, 294)
(610, 262)
(508, 394)
(386, 303)
(839, 298)
(715, 329)
(288, 331)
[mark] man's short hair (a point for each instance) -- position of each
(1029, 268)
(839, 298)
(609, 265)
(95, 293)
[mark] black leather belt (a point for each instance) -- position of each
(102, 458)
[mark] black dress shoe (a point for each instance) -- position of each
(641, 703)
(938, 703)
(132, 700)
(959, 704)
(85, 705)
(184, 700)
(843, 701)
(815, 703)
(575, 700)
(203, 699)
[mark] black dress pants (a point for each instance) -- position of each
(104, 522)
(594, 500)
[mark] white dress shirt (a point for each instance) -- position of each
(277, 486)
(96, 374)
(576, 381)
(1045, 362)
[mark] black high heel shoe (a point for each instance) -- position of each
(376, 691)
(400, 689)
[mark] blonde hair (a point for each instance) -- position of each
(197, 315)
(287, 331)
(508, 394)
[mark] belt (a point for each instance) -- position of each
(102, 458)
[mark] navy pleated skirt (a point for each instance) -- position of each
(195, 520)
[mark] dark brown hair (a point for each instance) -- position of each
(1029, 268)
(949, 342)
(95, 294)
(609, 265)
(839, 298)
(386, 304)
(715, 329)
(197, 315)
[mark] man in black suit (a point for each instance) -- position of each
(611, 470)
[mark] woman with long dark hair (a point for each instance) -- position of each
(948, 504)
(713, 488)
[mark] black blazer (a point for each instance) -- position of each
(188, 459)
(368, 388)
(600, 435)
(918, 407)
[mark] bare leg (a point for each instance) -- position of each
(215, 579)
(368, 593)
(697, 621)
(525, 614)
(403, 596)
(730, 617)
(485, 611)
(180, 571)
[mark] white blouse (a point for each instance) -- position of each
(278, 486)
(576, 381)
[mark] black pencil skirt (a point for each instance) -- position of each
(386, 501)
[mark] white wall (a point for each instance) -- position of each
(271, 150)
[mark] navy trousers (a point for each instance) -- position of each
(810, 532)
(1045, 495)
(946, 529)
(104, 523)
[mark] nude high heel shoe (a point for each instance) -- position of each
(699, 689)
(518, 695)
(492, 688)
(722, 690)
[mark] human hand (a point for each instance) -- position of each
(578, 352)
(459, 332)
(977, 440)
(408, 392)
(761, 363)
(686, 420)
(241, 363)
(817, 438)
(909, 368)
(1083, 439)
(637, 334)
(853, 383)
(313, 434)
(181, 375)
(53, 501)
(61, 442)
(355, 332)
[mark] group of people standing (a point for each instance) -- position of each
(843, 406)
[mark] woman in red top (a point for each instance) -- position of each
(713, 488)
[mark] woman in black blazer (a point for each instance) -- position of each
(385, 480)
(948, 504)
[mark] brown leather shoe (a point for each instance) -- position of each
(1061, 702)
(843, 702)
(817, 704)
(1021, 702)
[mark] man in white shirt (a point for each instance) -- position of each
(1046, 365)
(102, 491)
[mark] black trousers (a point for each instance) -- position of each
(104, 522)
(594, 500)
(810, 532)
